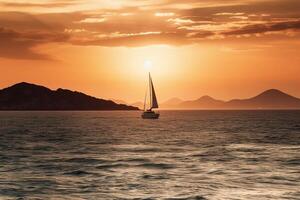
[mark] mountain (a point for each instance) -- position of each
(26, 96)
(171, 103)
(205, 102)
(269, 99)
(138, 104)
(119, 101)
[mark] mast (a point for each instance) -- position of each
(145, 99)
(150, 91)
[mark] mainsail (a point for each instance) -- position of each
(153, 100)
(154, 103)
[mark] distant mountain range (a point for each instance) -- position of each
(269, 99)
(26, 96)
(171, 103)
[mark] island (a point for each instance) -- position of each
(27, 96)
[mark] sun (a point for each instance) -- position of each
(147, 65)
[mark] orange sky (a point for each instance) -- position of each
(222, 48)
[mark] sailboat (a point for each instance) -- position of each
(148, 112)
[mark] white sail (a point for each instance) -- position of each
(154, 103)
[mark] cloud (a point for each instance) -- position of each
(164, 14)
(92, 20)
(229, 14)
(201, 34)
(264, 28)
(23, 5)
(170, 22)
(19, 45)
(135, 40)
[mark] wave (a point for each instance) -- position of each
(292, 162)
(115, 165)
(134, 160)
(187, 198)
(157, 165)
(158, 177)
(77, 173)
(85, 160)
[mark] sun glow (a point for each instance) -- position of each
(148, 65)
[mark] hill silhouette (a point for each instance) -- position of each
(138, 104)
(171, 103)
(205, 102)
(269, 99)
(26, 96)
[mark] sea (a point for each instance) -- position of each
(201, 155)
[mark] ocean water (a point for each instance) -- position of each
(252, 155)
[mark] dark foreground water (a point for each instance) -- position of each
(252, 155)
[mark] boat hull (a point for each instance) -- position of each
(150, 115)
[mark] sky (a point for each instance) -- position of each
(222, 48)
